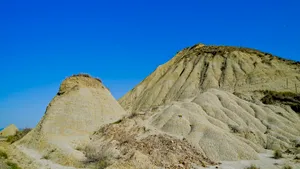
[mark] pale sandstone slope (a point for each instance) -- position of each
(81, 106)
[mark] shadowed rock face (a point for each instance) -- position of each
(199, 68)
(81, 106)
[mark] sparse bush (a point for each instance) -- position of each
(99, 157)
(117, 122)
(252, 167)
(78, 148)
(234, 128)
(277, 154)
(13, 165)
(102, 164)
(46, 157)
(3, 155)
(133, 114)
(287, 167)
(18, 135)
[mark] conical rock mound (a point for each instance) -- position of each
(9, 131)
(81, 106)
(198, 68)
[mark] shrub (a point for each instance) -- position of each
(287, 167)
(234, 128)
(252, 167)
(18, 135)
(277, 154)
(132, 115)
(46, 157)
(3, 155)
(118, 122)
(102, 164)
(98, 157)
(13, 165)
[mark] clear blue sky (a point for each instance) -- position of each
(42, 42)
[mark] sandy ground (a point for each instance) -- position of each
(44, 164)
(36, 157)
(266, 161)
(2, 139)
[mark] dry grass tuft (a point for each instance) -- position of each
(12, 165)
(287, 167)
(3, 155)
(277, 154)
(252, 167)
(19, 135)
(102, 164)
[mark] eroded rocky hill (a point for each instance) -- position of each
(81, 106)
(198, 68)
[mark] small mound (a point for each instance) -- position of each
(9, 131)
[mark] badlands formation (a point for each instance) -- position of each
(207, 104)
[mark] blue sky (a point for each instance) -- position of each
(122, 42)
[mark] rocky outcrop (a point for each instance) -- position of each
(81, 106)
